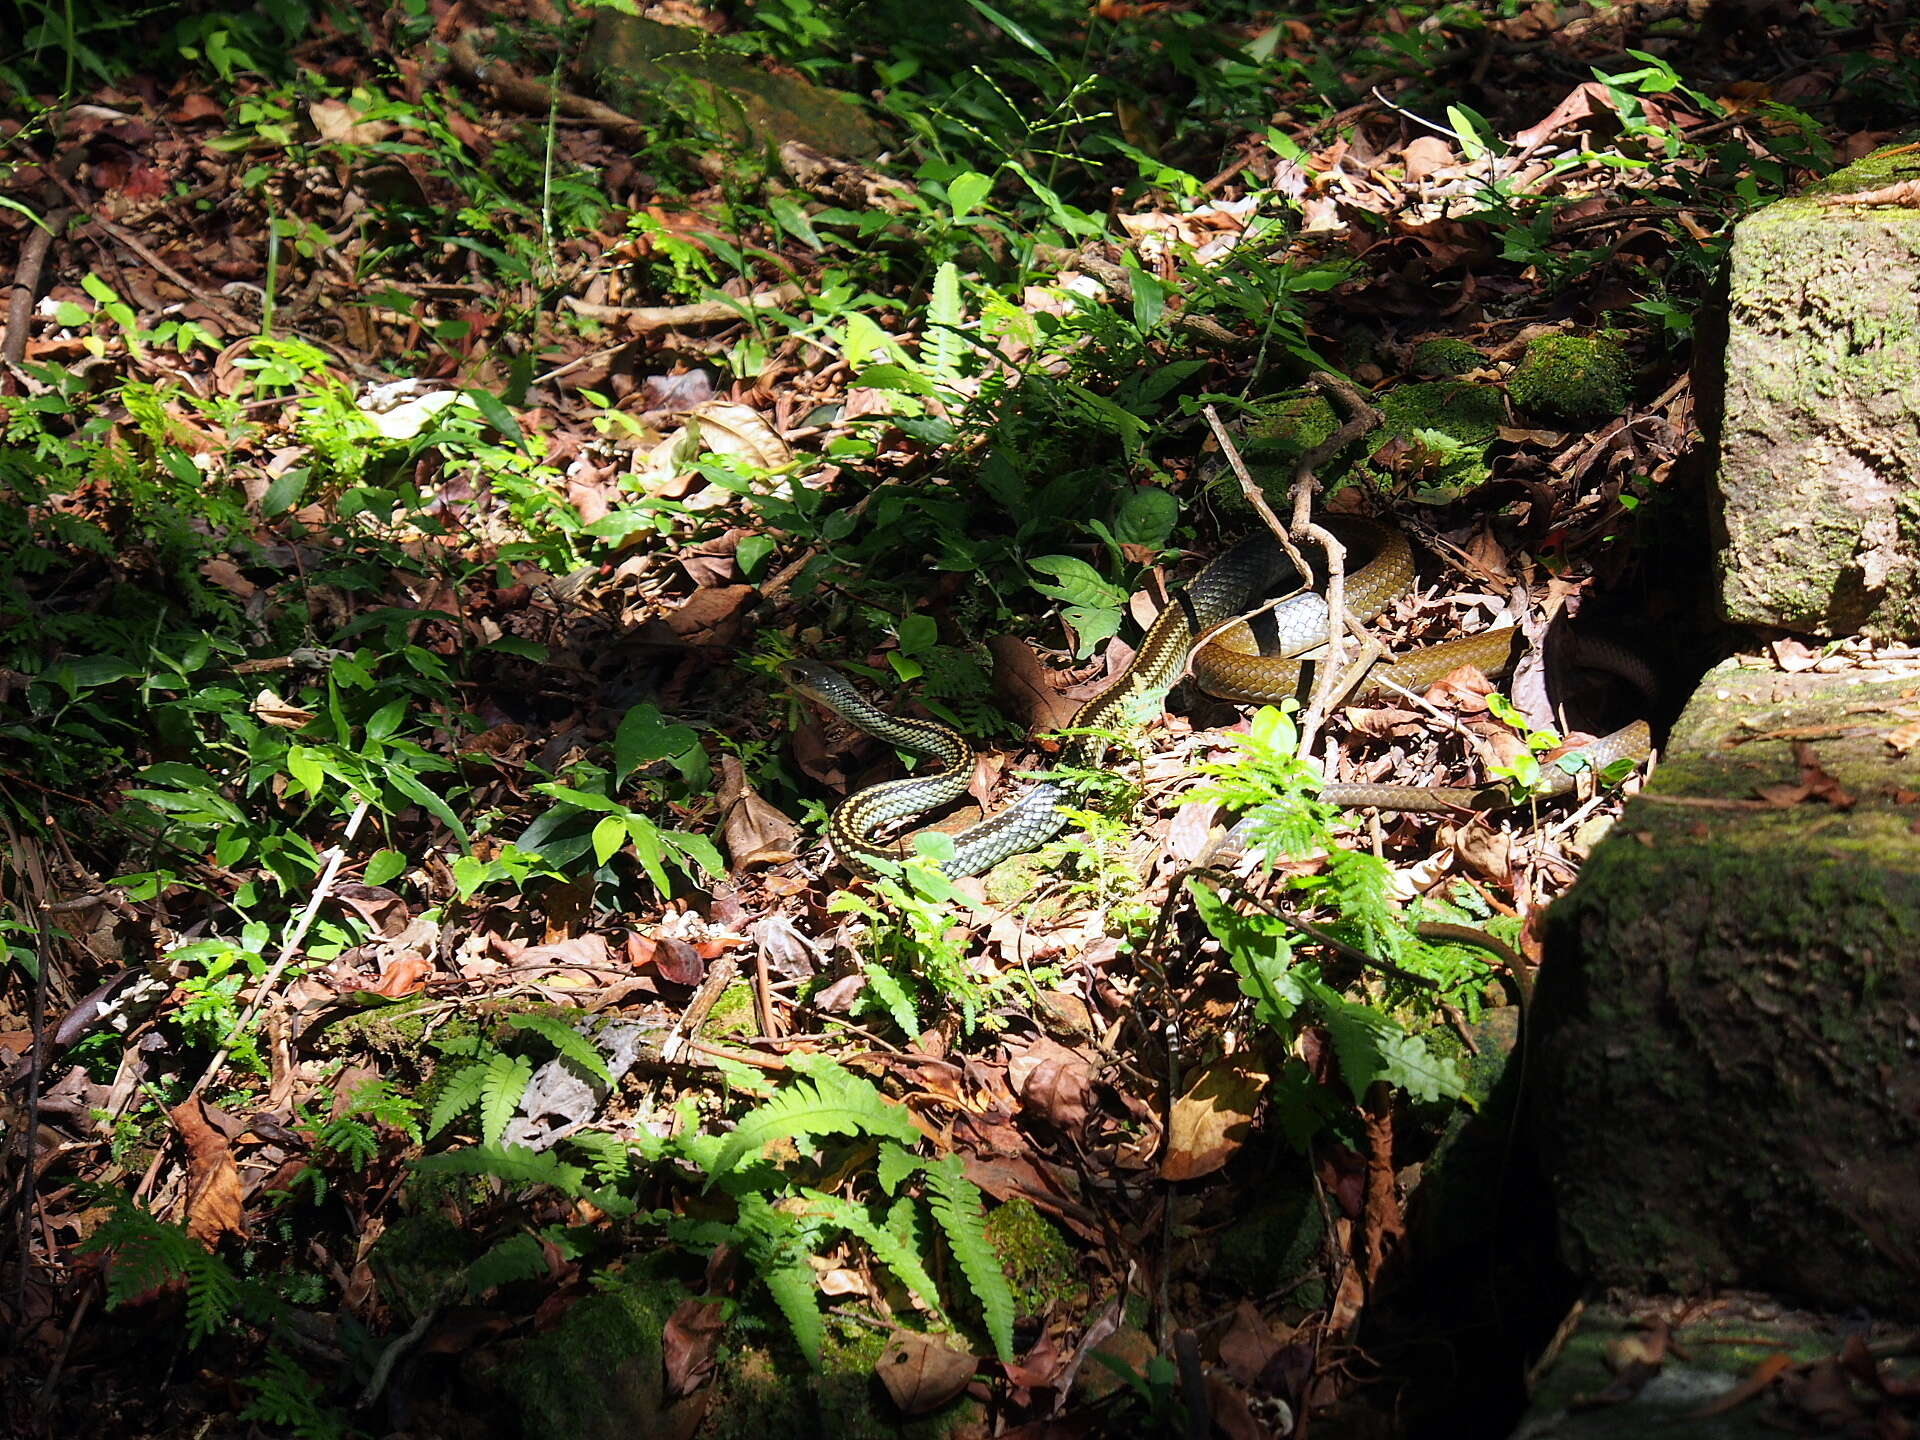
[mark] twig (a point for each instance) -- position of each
(26, 282)
(107, 227)
(701, 312)
(335, 858)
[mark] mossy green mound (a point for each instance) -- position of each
(1572, 377)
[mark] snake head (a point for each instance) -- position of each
(813, 681)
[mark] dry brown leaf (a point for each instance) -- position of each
(1020, 680)
(215, 1204)
(385, 912)
(923, 1372)
(1249, 1344)
(691, 1336)
(729, 429)
(713, 616)
(339, 123)
(1214, 1118)
(1903, 738)
(753, 830)
(1770, 1369)
(269, 707)
(402, 977)
(1053, 1083)
(1425, 155)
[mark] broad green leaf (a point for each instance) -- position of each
(1147, 517)
(384, 865)
(965, 192)
(609, 838)
(752, 553)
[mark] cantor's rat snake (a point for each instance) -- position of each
(1229, 664)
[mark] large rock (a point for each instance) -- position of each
(1727, 1023)
(1819, 482)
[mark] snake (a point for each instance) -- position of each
(1231, 658)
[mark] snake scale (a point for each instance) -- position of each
(1230, 664)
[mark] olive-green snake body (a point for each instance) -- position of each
(1230, 663)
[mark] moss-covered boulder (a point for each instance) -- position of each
(1444, 357)
(1819, 483)
(1438, 433)
(1039, 1264)
(1724, 1029)
(1432, 442)
(1572, 377)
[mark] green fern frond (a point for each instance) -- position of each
(889, 1247)
(149, 1254)
(571, 1044)
(961, 1217)
(514, 1164)
(827, 1100)
(518, 1257)
(458, 1093)
(502, 1083)
(790, 1281)
(288, 1397)
(894, 1164)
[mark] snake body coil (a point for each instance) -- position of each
(1230, 664)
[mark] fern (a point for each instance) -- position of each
(892, 996)
(890, 1247)
(827, 1100)
(957, 1209)
(349, 1137)
(571, 1044)
(285, 1395)
(894, 1164)
(518, 1257)
(502, 1082)
(149, 1255)
(458, 1092)
(514, 1164)
(791, 1283)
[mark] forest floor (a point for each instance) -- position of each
(428, 998)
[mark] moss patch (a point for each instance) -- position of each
(1040, 1265)
(1572, 377)
(1444, 357)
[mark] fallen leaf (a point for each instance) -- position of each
(214, 1195)
(1053, 1083)
(1214, 1118)
(923, 1372)
(754, 832)
(273, 710)
(402, 977)
(691, 1336)
(1757, 1379)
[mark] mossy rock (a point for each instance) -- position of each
(732, 1014)
(1436, 434)
(1039, 1264)
(398, 1031)
(1572, 377)
(758, 1396)
(599, 1373)
(1444, 357)
(645, 68)
(1272, 441)
(1277, 1243)
(1443, 428)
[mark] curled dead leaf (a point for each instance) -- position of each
(215, 1204)
(1214, 1118)
(923, 1372)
